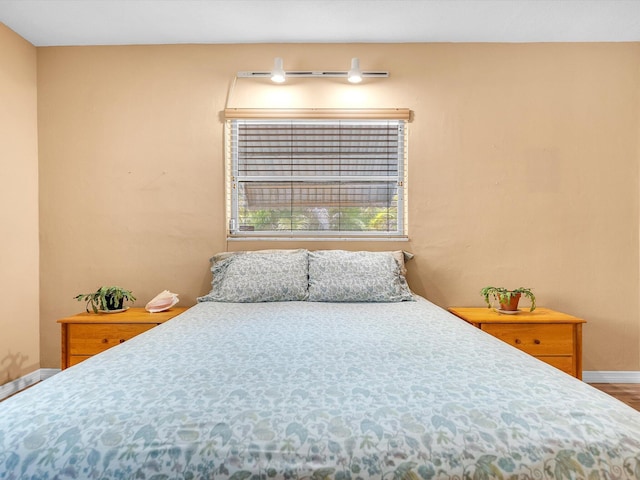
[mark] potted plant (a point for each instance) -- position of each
(106, 299)
(508, 299)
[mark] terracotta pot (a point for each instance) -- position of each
(513, 303)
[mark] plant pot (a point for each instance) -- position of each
(112, 304)
(512, 305)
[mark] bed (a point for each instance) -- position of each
(309, 389)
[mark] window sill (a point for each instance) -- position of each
(292, 238)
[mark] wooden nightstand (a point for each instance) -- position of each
(86, 334)
(553, 337)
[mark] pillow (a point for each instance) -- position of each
(402, 257)
(260, 276)
(341, 276)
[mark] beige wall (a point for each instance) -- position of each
(523, 170)
(19, 317)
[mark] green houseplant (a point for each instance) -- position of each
(106, 298)
(508, 299)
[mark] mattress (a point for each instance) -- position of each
(305, 390)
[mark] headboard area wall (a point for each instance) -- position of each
(523, 170)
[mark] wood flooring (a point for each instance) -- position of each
(628, 393)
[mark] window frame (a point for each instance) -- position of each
(232, 175)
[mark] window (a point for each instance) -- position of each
(316, 177)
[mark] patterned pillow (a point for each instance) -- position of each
(262, 276)
(341, 276)
(402, 257)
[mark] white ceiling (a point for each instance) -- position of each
(121, 22)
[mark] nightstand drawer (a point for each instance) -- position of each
(561, 363)
(89, 339)
(76, 359)
(535, 339)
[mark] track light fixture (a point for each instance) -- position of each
(279, 75)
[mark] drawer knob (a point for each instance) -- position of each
(122, 340)
(536, 341)
(518, 342)
(105, 340)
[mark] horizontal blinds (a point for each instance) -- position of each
(317, 149)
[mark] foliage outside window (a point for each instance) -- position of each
(316, 178)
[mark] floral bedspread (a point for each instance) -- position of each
(301, 390)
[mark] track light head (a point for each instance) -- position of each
(278, 74)
(355, 75)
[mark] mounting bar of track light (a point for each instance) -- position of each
(278, 74)
(313, 74)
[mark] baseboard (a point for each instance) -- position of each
(26, 381)
(48, 373)
(611, 377)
